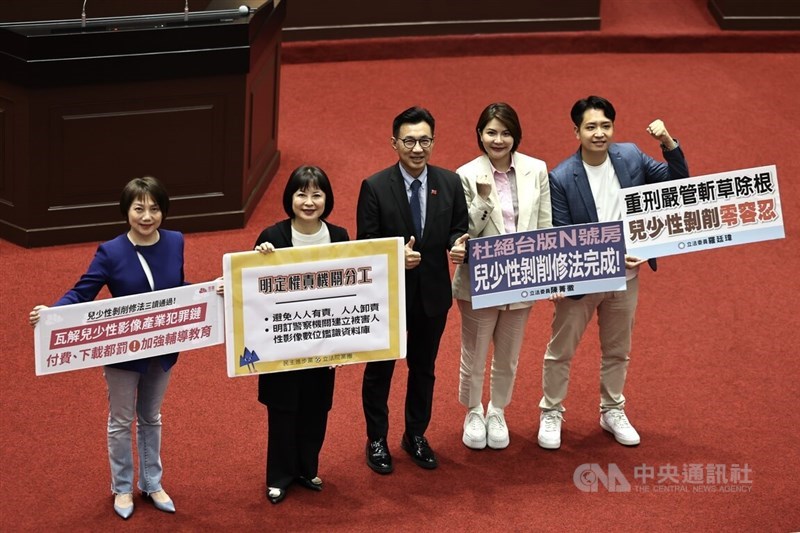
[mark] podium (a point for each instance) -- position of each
(190, 98)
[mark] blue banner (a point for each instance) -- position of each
(532, 265)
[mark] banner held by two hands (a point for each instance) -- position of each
(315, 306)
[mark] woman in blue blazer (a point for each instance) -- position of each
(298, 401)
(146, 258)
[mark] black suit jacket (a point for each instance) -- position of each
(383, 211)
(282, 390)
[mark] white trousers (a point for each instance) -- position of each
(479, 329)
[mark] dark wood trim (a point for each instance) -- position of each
(311, 20)
(756, 14)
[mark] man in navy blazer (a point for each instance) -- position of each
(585, 188)
(426, 206)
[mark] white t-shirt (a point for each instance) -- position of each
(323, 236)
(605, 191)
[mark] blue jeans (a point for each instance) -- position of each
(132, 394)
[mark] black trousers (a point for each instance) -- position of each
(296, 426)
(424, 335)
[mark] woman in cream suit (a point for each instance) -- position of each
(506, 192)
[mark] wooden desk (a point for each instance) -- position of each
(85, 109)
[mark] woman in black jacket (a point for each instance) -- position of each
(298, 401)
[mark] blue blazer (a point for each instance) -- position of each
(570, 193)
(117, 266)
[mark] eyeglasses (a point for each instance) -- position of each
(411, 142)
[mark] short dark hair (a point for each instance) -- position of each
(505, 114)
(300, 179)
(139, 188)
(592, 102)
(412, 115)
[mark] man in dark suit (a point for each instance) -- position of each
(585, 188)
(426, 206)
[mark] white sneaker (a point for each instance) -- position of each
(614, 421)
(496, 429)
(474, 431)
(550, 429)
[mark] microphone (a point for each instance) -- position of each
(83, 15)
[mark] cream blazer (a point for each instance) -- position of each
(486, 216)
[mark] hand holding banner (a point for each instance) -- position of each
(533, 265)
(115, 330)
(315, 306)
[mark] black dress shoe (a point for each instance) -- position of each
(275, 495)
(378, 457)
(420, 451)
(314, 483)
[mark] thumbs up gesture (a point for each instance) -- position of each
(459, 250)
(413, 258)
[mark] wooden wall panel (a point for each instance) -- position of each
(262, 156)
(309, 20)
(93, 140)
(174, 139)
(83, 126)
(14, 152)
(263, 116)
(6, 151)
(756, 14)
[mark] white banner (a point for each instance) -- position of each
(701, 213)
(312, 306)
(115, 330)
